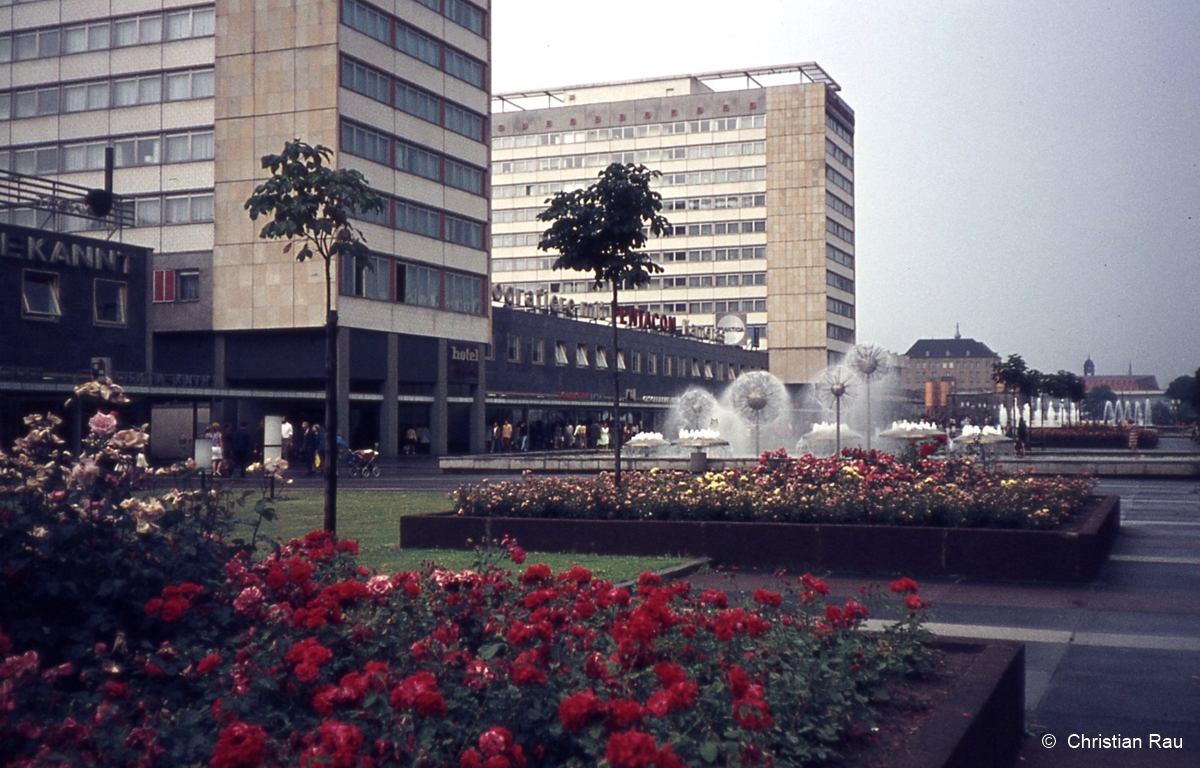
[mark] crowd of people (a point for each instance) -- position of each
(505, 437)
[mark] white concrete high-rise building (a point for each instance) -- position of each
(191, 95)
(758, 183)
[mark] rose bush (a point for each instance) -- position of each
(161, 643)
(860, 487)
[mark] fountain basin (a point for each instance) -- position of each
(1072, 554)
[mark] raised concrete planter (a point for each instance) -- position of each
(1116, 465)
(981, 723)
(1074, 554)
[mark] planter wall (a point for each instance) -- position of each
(990, 554)
(981, 724)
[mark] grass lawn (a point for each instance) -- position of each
(372, 518)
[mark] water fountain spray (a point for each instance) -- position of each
(833, 386)
(869, 361)
(758, 397)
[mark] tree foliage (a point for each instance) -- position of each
(602, 228)
(309, 201)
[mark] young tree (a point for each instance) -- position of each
(309, 202)
(1012, 376)
(600, 230)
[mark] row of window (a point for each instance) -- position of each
(833, 253)
(719, 203)
(838, 204)
(709, 307)
(839, 307)
(839, 282)
(40, 298)
(603, 159)
(388, 279)
(389, 150)
(667, 179)
(844, 131)
(839, 180)
(712, 254)
(427, 222)
(587, 356)
(121, 32)
(629, 132)
(714, 203)
(108, 93)
(132, 151)
(460, 12)
(380, 86)
(716, 228)
(149, 211)
(837, 230)
(838, 333)
(390, 31)
(705, 281)
(839, 154)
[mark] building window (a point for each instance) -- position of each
(164, 285)
(39, 293)
(187, 285)
(464, 294)
(637, 361)
(601, 357)
(620, 360)
(560, 353)
(581, 355)
(418, 285)
(514, 348)
(668, 364)
(367, 276)
(109, 304)
(537, 351)
(839, 333)
(652, 364)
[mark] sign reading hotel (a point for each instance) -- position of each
(55, 249)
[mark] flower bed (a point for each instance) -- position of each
(863, 488)
(1092, 437)
(134, 632)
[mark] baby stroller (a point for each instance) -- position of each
(362, 463)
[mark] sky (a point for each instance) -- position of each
(1027, 171)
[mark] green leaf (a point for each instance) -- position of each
(489, 651)
(710, 750)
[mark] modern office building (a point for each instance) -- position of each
(758, 184)
(191, 95)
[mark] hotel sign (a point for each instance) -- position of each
(54, 249)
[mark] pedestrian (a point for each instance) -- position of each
(214, 435)
(242, 447)
(1133, 437)
(602, 443)
(312, 448)
(286, 433)
(506, 436)
(424, 440)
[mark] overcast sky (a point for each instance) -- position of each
(1029, 170)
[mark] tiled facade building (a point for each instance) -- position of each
(758, 185)
(191, 95)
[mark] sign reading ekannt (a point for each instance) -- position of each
(55, 249)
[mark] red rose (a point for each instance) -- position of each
(631, 749)
(208, 663)
(575, 710)
(470, 759)
(517, 555)
(240, 746)
(752, 714)
(766, 597)
(904, 585)
(536, 573)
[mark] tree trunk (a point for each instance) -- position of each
(614, 432)
(331, 404)
(331, 420)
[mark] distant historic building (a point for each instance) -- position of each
(941, 369)
(1128, 384)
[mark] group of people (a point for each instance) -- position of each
(233, 449)
(505, 437)
(302, 447)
